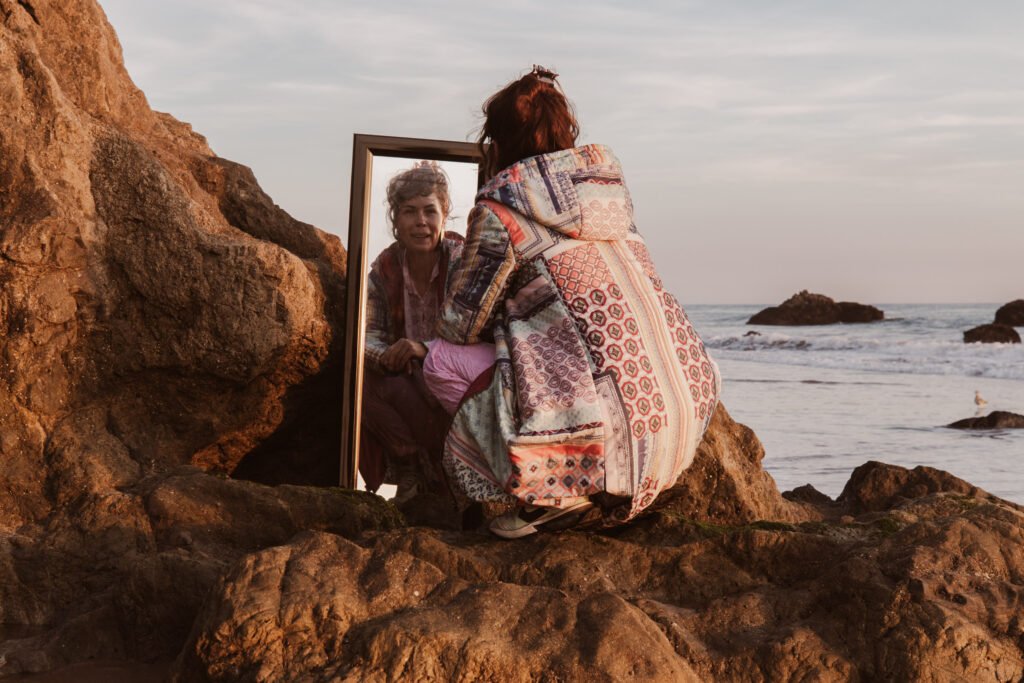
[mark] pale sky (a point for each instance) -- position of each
(871, 150)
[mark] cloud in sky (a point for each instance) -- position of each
(867, 150)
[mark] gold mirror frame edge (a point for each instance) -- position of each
(364, 148)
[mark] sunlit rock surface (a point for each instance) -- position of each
(917, 576)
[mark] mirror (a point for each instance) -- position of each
(375, 160)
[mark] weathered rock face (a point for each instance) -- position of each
(925, 588)
(726, 483)
(875, 487)
(805, 308)
(997, 419)
(141, 273)
(157, 311)
(122, 574)
(1011, 314)
(991, 334)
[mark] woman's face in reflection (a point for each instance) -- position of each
(419, 222)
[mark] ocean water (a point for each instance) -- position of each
(826, 399)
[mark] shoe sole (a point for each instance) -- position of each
(514, 533)
(571, 514)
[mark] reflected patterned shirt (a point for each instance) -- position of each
(420, 310)
(387, 302)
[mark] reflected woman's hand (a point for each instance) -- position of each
(400, 355)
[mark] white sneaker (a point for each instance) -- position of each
(528, 520)
(408, 484)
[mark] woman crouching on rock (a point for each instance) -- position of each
(403, 424)
(601, 389)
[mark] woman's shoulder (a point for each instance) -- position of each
(387, 261)
(451, 238)
(452, 246)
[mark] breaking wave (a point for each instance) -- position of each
(886, 352)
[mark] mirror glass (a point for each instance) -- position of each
(462, 190)
(392, 428)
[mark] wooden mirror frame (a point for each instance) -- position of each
(364, 149)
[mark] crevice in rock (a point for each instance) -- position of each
(31, 11)
(305, 448)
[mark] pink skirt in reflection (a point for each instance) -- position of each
(449, 369)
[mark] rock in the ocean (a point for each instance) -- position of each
(1011, 314)
(997, 419)
(806, 308)
(852, 312)
(991, 334)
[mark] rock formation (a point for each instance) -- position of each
(806, 308)
(1011, 314)
(997, 419)
(159, 317)
(140, 272)
(852, 312)
(1001, 330)
(992, 333)
(923, 584)
(164, 325)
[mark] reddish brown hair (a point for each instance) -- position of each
(527, 117)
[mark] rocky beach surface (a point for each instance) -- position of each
(169, 370)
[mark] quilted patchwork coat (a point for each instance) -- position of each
(601, 383)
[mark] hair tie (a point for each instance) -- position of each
(544, 75)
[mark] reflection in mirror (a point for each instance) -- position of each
(415, 240)
(405, 237)
(462, 187)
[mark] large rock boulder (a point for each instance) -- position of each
(806, 308)
(726, 483)
(852, 312)
(159, 315)
(922, 584)
(122, 574)
(991, 334)
(1011, 314)
(141, 273)
(997, 419)
(875, 487)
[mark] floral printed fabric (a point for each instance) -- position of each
(601, 382)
